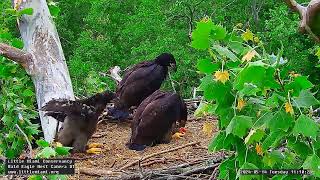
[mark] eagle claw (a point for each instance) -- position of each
(94, 150)
(178, 135)
(95, 145)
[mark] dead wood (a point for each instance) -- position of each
(158, 153)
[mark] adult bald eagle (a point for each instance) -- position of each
(80, 118)
(155, 120)
(139, 82)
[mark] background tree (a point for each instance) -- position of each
(43, 57)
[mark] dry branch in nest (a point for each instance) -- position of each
(205, 167)
(310, 17)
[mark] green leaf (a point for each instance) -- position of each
(223, 51)
(257, 74)
(299, 83)
(62, 150)
(280, 121)
(255, 135)
(313, 163)
(239, 125)
(218, 32)
(47, 152)
(306, 126)
(270, 159)
(273, 139)
(227, 169)
(299, 147)
(42, 143)
(54, 10)
(27, 93)
(216, 143)
(318, 53)
(11, 12)
(27, 11)
(17, 43)
(263, 120)
(200, 36)
(206, 66)
(305, 99)
(249, 89)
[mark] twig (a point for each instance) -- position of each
(214, 173)
(158, 153)
(114, 162)
(174, 176)
(162, 160)
(200, 169)
(97, 172)
(28, 142)
(172, 84)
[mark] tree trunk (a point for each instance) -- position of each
(47, 67)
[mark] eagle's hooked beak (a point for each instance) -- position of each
(173, 66)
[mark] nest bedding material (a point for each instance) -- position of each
(115, 155)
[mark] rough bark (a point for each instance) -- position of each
(309, 17)
(46, 66)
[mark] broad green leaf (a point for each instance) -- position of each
(263, 119)
(62, 150)
(27, 92)
(42, 143)
(11, 12)
(46, 152)
(299, 147)
(273, 101)
(206, 66)
(273, 139)
(313, 163)
(200, 36)
(239, 125)
(270, 159)
(255, 135)
(305, 99)
(27, 11)
(257, 74)
(280, 121)
(236, 47)
(218, 32)
(227, 169)
(306, 126)
(216, 143)
(249, 89)
(223, 51)
(299, 83)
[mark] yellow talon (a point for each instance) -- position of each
(94, 150)
(58, 144)
(178, 135)
(95, 145)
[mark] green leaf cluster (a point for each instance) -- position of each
(263, 114)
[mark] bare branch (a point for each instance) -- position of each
(114, 73)
(28, 142)
(15, 54)
(296, 6)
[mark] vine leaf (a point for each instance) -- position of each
(239, 125)
(306, 126)
(313, 163)
(305, 99)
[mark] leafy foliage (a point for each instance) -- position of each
(259, 104)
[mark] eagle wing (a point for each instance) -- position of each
(60, 108)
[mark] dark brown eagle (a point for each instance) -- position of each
(80, 118)
(155, 120)
(139, 82)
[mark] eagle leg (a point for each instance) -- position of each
(94, 150)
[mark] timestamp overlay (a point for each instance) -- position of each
(275, 172)
(39, 166)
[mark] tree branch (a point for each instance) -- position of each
(15, 54)
(308, 14)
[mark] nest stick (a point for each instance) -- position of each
(158, 153)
